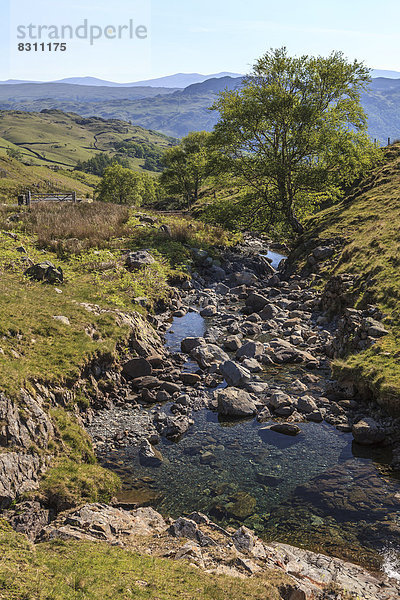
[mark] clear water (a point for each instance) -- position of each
(318, 490)
(275, 258)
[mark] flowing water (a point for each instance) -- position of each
(318, 490)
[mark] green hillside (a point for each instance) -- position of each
(56, 138)
(367, 223)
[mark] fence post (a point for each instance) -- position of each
(388, 141)
(28, 198)
(73, 196)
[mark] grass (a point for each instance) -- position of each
(368, 222)
(72, 570)
(63, 139)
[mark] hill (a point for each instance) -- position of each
(60, 139)
(175, 112)
(364, 270)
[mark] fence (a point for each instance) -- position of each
(30, 198)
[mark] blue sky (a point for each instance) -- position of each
(205, 36)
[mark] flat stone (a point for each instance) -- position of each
(190, 378)
(285, 428)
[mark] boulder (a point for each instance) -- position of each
(256, 302)
(186, 528)
(322, 252)
(208, 311)
(209, 354)
(45, 271)
(368, 432)
(190, 378)
(269, 312)
(279, 399)
(62, 319)
(137, 367)
(96, 522)
(28, 518)
(252, 365)
(139, 259)
(234, 373)
(190, 343)
(174, 427)
(233, 402)
(147, 381)
(250, 350)
(222, 289)
(232, 343)
(306, 404)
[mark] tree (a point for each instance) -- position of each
(187, 166)
(98, 163)
(120, 185)
(295, 133)
(14, 153)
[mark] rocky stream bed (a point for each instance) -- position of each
(238, 418)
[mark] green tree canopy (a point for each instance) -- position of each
(187, 166)
(124, 186)
(295, 133)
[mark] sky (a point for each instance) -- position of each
(203, 36)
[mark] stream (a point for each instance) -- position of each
(318, 490)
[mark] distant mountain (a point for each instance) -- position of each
(88, 81)
(175, 112)
(12, 94)
(183, 80)
(179, 80)
(388, 74)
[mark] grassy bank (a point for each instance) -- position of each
(368, 222)
(89, 243)
(81, 571)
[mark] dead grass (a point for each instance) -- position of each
(75, 227)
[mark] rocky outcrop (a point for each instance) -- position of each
(19, 473)
(356, 330)
(99, 522)
(23, 425)
(307, 575)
